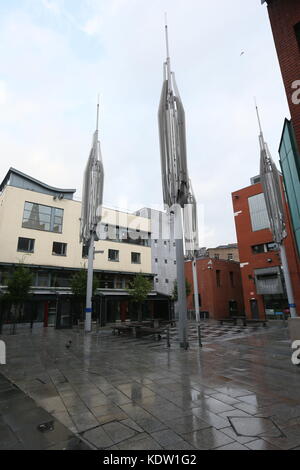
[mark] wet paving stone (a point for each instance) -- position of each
(137, 391)
(206, 439)
(253, 427)
(98, 438)
(118, 432)
(233, 446)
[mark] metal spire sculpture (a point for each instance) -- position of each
(175, 179)
(270, 180)
(91, 211)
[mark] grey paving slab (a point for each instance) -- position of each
(118, 432)
(186, 424)
(98, 437)
(140, 442)
(253, 427)
(206, 439)
(261, 444)
(233, 446)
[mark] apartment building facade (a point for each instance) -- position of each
(163, 251)
(39, 227)
(228, 252)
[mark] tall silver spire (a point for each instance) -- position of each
(91, 211)
(270, 180)
(175, 180)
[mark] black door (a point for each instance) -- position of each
(254, 309)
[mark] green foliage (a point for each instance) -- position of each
(188, 290)
(18, 286)
(78, 284)
(139, 288)
(138, 291)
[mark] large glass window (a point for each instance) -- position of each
(258, 212)
(26, 245)
(124, 235)
(40, 217)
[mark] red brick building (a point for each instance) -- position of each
(285, 22)
(262, 278)
(219, 286)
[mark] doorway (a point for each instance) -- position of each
(254, 309)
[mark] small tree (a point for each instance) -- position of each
(18, 290)
(188, 290)
(78, 287)
(138, 290)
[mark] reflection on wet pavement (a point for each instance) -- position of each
(241, 392)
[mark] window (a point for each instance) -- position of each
(258, 212)
(297, 32)
(113, 255)
(174, 261)
(167, 281)
(85, 251)
(136, 258)
(272, 246)
(59, 249)
(156, 260)
(156, 280)
(216, 256)
(43, 279)
(39, 217)
(230, 256)
(218, 277)
(231, 277)
(166, 261)
(26, 245)
(165, 243)
(256, 249)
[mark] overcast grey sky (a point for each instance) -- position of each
(56, 55)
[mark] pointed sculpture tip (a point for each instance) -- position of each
(258, 117)
(167, 36)
(97, 121)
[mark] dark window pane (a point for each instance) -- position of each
(136, 258)
(113, 255)
(59, 249)
(26, 244)
(256, 249)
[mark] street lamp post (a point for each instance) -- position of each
(91, 212)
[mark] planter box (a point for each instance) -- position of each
(294, 328)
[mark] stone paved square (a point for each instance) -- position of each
(111, 393)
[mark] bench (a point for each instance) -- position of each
(251, 321)
(228, 320)
(119, 328)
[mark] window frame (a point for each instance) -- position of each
(52, 218)
(29, 240)
(63, 245)
(117, 260)
(139, 257)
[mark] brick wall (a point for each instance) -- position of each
(284, 15)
